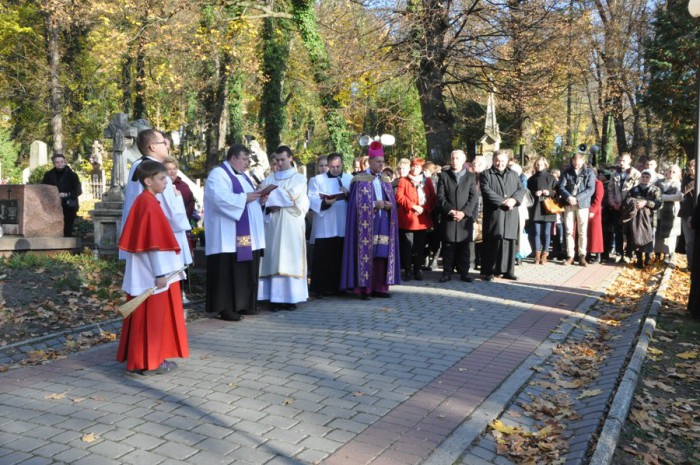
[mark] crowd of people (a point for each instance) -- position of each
(380, 226)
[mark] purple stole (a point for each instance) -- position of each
(244, 245)
(375, 233)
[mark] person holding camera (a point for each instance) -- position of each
(69, 189)
(576, 187)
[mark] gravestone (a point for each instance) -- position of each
(38, 154)
(32, 219)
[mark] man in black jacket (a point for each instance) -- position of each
(69, 189)
(456, 197)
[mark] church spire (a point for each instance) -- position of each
(491, 128)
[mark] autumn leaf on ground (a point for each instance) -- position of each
(56, 396)
(655, 351)
(688, 355)
(590, 393)
(89, 437)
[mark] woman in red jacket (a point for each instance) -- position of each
(415, 198)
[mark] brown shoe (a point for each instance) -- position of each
(538, 256)
(569, 261)
(583, 262)
(543, 258)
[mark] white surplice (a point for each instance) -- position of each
(223, 210)
(173, 206)
(331, 221)
(283, 268)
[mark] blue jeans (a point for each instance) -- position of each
(543, 235)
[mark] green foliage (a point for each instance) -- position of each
(37, 174)
(71, 271)
(673, 58)
(10, 171)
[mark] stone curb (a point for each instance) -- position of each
(460, 440)
(622, 401)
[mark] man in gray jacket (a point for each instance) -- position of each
(576, 187)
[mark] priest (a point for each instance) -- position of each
(328, 193)
(371, 247)
(502, 193)
(283, 278)
(235, 237)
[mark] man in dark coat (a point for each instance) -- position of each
(502, 192)
(457, 198)
(69, 189)
(694, 297)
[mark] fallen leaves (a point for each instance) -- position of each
(546, 445)
(590, 393)
(666, 411)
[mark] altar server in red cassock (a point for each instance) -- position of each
(156, 329)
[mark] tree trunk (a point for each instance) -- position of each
(56, 98)
(140, 84)
(437, 120)
(272, 105)
(216, 135)
(126, 105)
(605, 142)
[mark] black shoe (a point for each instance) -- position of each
(248, 312)
(509, 276)
(381, 295)
(444, 278)
(290, 307)
(487, 277)
(406, 276)
(165, 367)
(364, 296)
(418, 274)
(230, 316)
(275, 307)
(466, 278)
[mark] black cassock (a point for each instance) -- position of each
(694, 297)
(501, 226)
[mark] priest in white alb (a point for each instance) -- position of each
(283, 268)
(328, 193)
(235, 237)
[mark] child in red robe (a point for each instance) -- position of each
(156, 329)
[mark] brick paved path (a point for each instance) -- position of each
(340, 381)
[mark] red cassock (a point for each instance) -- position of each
(595, 224)
(156, 330)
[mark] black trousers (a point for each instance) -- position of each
(498, 257)
(412, 248)
(232, 286)
(326, 264)
(455, 253)
(69, 215)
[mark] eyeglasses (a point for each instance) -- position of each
(164, 142)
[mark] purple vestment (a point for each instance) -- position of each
(369, 234)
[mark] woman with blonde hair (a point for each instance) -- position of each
(541, 185)
(669, 225)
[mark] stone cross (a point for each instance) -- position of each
(117, 130)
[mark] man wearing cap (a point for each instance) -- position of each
(371, 248)
(576, 186)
